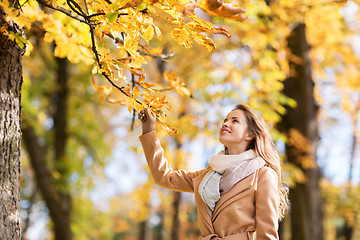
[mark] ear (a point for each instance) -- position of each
(249, 136)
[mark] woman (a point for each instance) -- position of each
(240, 192)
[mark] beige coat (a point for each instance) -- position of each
(251, 205)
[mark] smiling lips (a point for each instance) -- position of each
(223, 131)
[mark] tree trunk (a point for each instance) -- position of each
(58, 201)
(349, 228)
(143, 230)
(175, 227)
(10, 135)
(159, 229)
(300, 125)
(46, 186)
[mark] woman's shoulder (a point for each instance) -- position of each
(267, 172)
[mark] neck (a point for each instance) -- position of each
(236, 150)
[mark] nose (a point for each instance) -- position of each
(225, 124)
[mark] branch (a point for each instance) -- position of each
(86, 7)
(100, 14)
(92, 33)
(81, 13)
(163, 57)
(63, 10)
(133, 117)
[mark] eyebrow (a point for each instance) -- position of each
(231, 118)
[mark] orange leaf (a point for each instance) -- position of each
(136, 92)
(182, 36)
(171, 131)
(224, 10)
(202, 26)
(105, 89)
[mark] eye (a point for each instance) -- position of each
(235, 120)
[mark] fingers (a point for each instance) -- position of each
(143, 115)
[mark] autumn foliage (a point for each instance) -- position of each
(87, 28)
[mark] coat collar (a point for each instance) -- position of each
(237, 192)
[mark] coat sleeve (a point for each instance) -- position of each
(267, 202)
(162, 173)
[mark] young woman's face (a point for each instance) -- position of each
(234, 130)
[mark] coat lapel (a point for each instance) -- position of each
(200, 204)
(239, 190)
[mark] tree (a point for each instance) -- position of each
(57, 113)
(10, 129)
(300, 125)
(58, 201)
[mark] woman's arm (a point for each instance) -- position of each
(162, 173)
(267, 202)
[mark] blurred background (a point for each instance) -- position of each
(296, 62)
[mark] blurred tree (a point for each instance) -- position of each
(300, 126)
(55, 193)
(60, 136)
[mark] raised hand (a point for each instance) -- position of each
(148, 120)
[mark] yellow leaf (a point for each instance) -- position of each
(204, 41)
(158, 32)
(183, 91)
(136, 92)
(202, 26)
(130, 102)
(148, 33)
(182, 37)
(156, 51)
(138, 106)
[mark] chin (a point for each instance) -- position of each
(222, 141)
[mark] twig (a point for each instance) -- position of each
(162, 56)
(86, 8)
(100, 14)
(92, 33)
(133, 117)
(63, 10)
(75, 7)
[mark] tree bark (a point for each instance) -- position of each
(300, 125)
(10, 135)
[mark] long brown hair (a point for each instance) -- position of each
(264, 147)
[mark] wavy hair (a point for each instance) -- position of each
(264, 147)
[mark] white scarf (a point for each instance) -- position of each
(226, 171)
